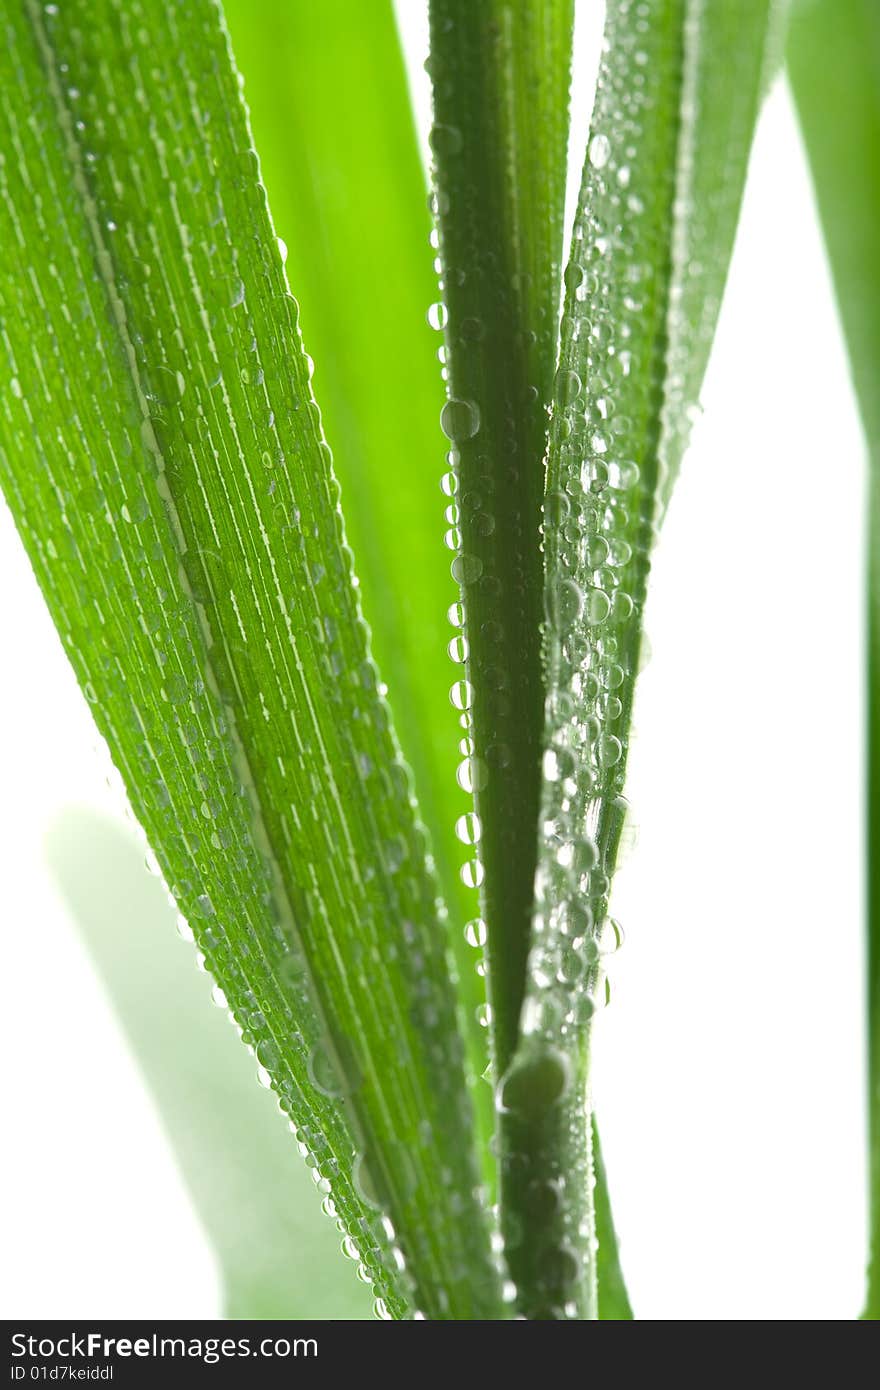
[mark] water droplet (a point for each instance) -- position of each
(438, 316)
(623, 475)
(557, 508)
(559, 1267)
(472, 873)
(455, 614)
(458, 650)
(461, 694)
(445, 140)
(608, 750)
(322, 1072)
(600, 151)
(471, 775)
(459, 419)
(475, 932)
(184, 930)
(534, 1086)
(472, 330)
(610, 937)
(568, 386)
(558, 763)
(597, 607)
(466, 569)
(268, 1054)
(567, 605)
(452, 538)
(468, 828)
(574, 276)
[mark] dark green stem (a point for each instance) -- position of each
(500, 77)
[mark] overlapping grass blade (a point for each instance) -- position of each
(662, 184)
(613, 1299)
(163, 456)
(833, 56)
(278, 1255)
(329, 106)
(500, 77)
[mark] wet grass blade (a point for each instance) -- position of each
(163, 455)
(833, 57)
(327, 94)
(662, 183)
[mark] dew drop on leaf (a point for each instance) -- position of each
(459, 419)
(475, 932)
(466, 569)
(600, 151)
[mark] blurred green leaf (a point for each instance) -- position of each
(278, 1252)
(614, 1304)
(833, 59)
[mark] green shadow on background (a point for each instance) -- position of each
(279, 1255)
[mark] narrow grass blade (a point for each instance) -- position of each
(833, 57)
(613, 1299)
(163, 456)
(500, 76)
(663, 177)
(735, 49)
(329, 106)
(278, 1253)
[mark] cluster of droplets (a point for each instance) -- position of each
(549, 1234)
(460, 421)
(598, 529)
(597, 533)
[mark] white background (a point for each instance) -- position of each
(729, 1072)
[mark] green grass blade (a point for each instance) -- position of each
(500, 76)
(163, 456)
(613, 1299)
(278, 1254)
(833, 57)
(666, 141)
(329, 106)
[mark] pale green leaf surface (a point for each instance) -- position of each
(833, 59)
(163, 456)
(329, 106)
(663, 178)
(278, 1253)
